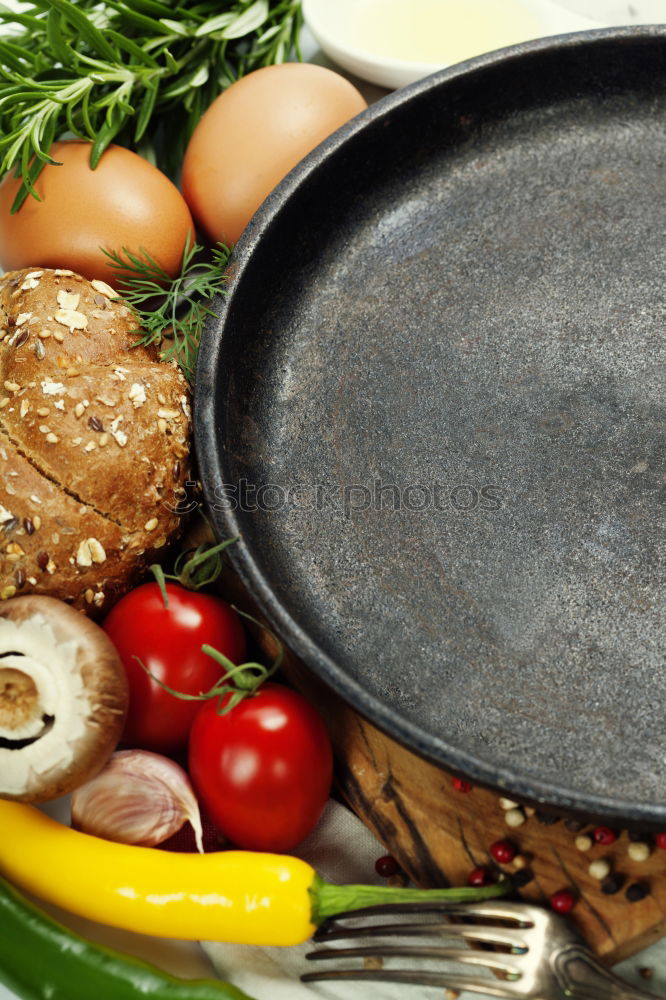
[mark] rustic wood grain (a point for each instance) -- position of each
(439, 834)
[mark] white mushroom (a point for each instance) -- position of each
(63, 699)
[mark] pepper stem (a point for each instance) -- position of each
(330, 900)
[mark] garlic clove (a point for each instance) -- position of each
(139, 798)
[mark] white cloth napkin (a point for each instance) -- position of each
(342, 850)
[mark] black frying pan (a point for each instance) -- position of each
(440, 375)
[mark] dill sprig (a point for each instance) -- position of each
(140, 73)
(171, 312)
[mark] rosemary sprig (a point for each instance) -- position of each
(140, 72)
(171, 312)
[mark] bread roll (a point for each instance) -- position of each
(94, 442)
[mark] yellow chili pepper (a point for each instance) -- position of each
(223, 896)
(236, 896)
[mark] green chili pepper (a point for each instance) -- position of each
(40, 959)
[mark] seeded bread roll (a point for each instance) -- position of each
(94, 442)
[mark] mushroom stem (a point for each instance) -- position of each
(18, 697)
(26, 698)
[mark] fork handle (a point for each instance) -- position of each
(582, 977)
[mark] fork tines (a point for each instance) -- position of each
(441, 921)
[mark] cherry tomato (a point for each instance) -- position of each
(168, 640)
(263, 770)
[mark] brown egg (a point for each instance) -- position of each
(125, 202)
(253, 134)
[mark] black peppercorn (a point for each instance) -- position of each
(612, 884)
(522, 877)
(547, 819)
(637, 837)
(636, 891)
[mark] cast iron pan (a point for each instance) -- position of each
(440, 375)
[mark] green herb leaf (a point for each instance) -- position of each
(175, 27)
(130, 15)
(150, 7)
(125, 43)
(85, 28)
(214, 24)
(106, 134)
(61, 49)
(12, 56)
(13, 17)
(171, 312)
(139, 73)
(249, 20)
(146, 111)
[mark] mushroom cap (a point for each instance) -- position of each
(63, 698)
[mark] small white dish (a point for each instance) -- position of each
(391, 43)
(619, 12)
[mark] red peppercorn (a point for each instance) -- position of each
(660, 840)
(563, 901)
(503, 851)
(604, 835)
(460, 785)
(480, 876)
(386, 866)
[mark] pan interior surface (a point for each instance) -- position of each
(434, 411)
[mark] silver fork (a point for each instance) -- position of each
(534, 953)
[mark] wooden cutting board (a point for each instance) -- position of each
(439, 834)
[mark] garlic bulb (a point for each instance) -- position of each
(138, 798)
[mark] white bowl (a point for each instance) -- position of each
(393, 42)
